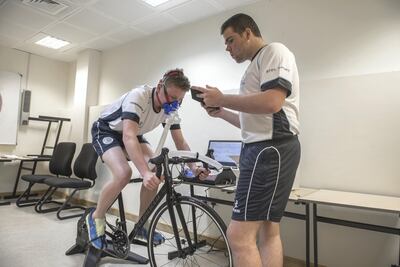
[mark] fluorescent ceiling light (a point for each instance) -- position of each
(52, 42)
(155, 2)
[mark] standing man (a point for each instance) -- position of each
(118, 134)
(268, 105)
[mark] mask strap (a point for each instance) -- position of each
(158, 98)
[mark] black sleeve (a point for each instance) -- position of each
(173, 126)
(278, 82)
(130, 116)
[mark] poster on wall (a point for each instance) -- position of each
(10, 91)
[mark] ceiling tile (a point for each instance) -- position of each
(69, 33)
(101, 44)
(82, 2)
(73, 50)
(229, 4)
(92, 21)
(15, 31)
(125, 34)
(98, 24)
(125, 10)
(54, 11)
(70, 54)
(171, 4)
(192, 11)
(156, 23)
(24, 16)
(36, 49)
(64, 57)
(7, 41)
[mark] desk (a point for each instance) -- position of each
(22, 159)
(351, 200)
(295, 196)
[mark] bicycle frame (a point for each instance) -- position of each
(171, 196)
(153, 205)
(173, 199)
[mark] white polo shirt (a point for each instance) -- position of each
(136, 105)
(273, 66)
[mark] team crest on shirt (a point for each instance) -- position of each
(235, 208)
(107, 140)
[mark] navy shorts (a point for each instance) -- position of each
(104, 138)
(267, 172)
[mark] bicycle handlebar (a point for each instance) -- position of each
(181, 156)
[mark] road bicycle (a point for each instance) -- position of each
(194, 234)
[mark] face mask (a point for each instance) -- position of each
(170, 107)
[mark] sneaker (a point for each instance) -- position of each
(96, 230)
(157, 239)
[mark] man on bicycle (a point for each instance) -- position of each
(118, 133)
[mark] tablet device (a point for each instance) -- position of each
(199, 99)
(194, 93)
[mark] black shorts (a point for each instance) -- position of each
(104, 138)
(267, 172)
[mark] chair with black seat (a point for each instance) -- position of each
(85, 170)
(59, 165)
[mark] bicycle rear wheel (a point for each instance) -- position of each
(201, 236)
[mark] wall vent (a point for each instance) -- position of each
(48, 6)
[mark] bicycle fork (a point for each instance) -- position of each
(190, 249)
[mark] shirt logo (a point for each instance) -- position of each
(107, 140)
(235, 208)
(276, 69)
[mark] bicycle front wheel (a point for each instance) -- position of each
(199, 238)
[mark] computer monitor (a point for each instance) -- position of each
(226, 152)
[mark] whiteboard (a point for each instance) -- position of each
(10, 84)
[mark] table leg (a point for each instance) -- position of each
(315, 231)
(307, 234)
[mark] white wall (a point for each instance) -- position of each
(349, 132)
(331, 40)
(49, 81)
